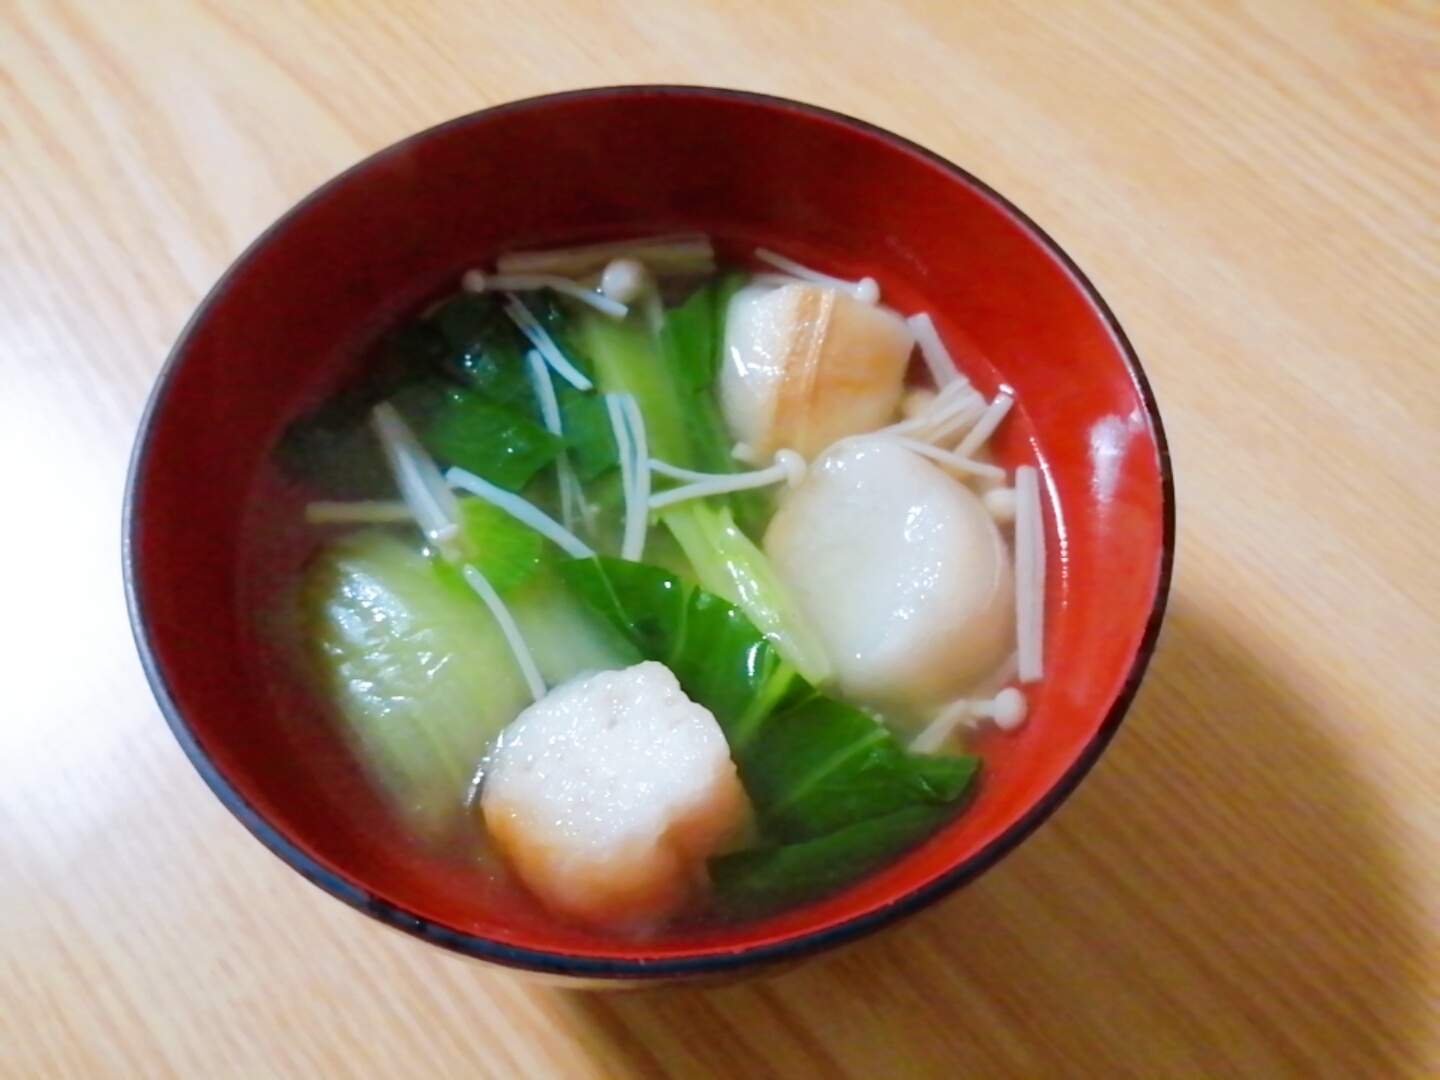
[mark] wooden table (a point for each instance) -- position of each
(1249, 885)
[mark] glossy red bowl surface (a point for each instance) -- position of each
(370, 247)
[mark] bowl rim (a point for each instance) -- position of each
(717, 962)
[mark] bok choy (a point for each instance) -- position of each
(813, 766)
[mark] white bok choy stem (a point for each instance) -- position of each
(522, 510)
(437, 512)
(1029, 575)
(730, 565)
(540, 337)
(477, 281)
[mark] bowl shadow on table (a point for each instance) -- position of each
(1221, 897)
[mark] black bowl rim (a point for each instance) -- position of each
(714, 963)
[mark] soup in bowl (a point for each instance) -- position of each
(648, 533)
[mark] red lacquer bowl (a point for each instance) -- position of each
(370, 247)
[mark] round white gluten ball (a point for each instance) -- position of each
(607, 796)
(901, 570)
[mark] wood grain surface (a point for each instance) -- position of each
(1248, 885)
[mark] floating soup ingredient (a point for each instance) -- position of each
(866, 290)
(941, 365)
(421, 675)
(608, 796)
(633, 451)
(545, 344)
(733, 651)
(788, 468)
(806, 365)
(811, 764)
(759, 882)
(900, 569)
(573, 505)
(995, 412)
(1030, 574)
(565, 638)
(944, 418)
(670, 381)
(1007, 710)
(521, 510)
(359, 512)
(916, 400)
(501, 614)
(952, 460)
(1000, 502)
(625, 280)
(421, 486)
(733, 567)
(477, 281)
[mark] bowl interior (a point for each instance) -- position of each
(296, 311)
